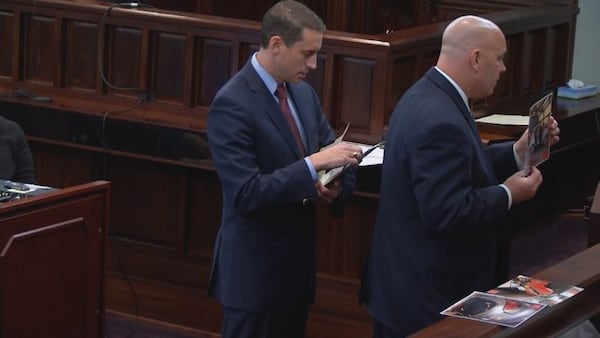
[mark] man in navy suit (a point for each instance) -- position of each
(263, 270)
(441, 202)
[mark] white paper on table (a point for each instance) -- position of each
(504, 119)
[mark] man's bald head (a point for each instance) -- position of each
(466, 33)
(472, 54)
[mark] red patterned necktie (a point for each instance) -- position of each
(281, 93)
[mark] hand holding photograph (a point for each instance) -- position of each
(538, 149)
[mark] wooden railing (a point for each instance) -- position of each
(177, 62)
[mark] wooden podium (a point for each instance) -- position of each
(52, 263)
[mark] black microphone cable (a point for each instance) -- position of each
(141, 98)
(104, 143)
(130, 5)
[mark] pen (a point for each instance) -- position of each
(370, 150)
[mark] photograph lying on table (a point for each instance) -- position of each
(493, 309)
(535, 290)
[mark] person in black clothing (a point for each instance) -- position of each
(16, 161)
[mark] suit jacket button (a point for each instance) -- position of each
(305, 202)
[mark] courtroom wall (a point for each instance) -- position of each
(586, 58)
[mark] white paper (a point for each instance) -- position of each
(374, 158)
(504, 119)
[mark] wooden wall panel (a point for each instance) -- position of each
(215, 59)
(404, 75)
(426, 61)
(506, 84)
(557, 61)
(249, 10)
(527, 63)
(354, 85)
(383, 16)
(549, 78)
(408, 68)
(246, 50)
(138, 51)
(6, 52)
(55, 167)
(540, 49)
(357, 16)
(40, 49)
(125, 56)
(447, 13)
(169, 52)
(444, 10)
(203, 199)
(81, 54)
(159, 219)
(343, 243)
(337, 14)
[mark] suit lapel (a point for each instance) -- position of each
(447, 87)
(266, 100)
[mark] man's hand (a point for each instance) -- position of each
(523, 187)
(336, 156)
(523, 142)
(554, 131)
(327, 194)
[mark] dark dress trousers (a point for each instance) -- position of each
(440, 206)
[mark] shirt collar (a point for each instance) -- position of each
(267, 79)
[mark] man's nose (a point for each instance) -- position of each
(311, 62)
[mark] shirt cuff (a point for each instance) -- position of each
(518, 160)
(508, 194)
(311, 168)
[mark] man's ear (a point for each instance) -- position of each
(474, 57)
(276, 43)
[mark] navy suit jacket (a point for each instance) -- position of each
(440, 205)
(264, 257)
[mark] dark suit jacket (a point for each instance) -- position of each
(440, 205)
(264, 257)
(16, 162)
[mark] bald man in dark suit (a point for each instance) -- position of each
(442, 199)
